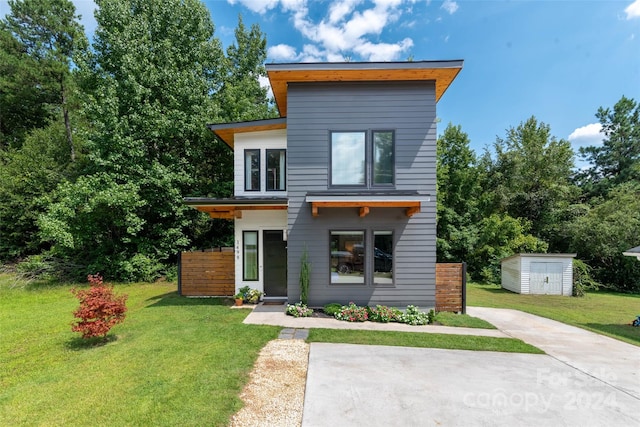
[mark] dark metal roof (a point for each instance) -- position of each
(390, 65)
(202, 201)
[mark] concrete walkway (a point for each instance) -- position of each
(611, 361)
(275, 316)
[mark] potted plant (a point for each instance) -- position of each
(253, 296)
(239, 297)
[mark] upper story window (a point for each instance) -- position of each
(252, 170)
(362, 159)
(276, 170)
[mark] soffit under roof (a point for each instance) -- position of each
(280, 75)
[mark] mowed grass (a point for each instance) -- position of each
(462, 321)
(606, 313)
(174, 361)
(420, 339)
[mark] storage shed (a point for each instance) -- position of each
(550, 274)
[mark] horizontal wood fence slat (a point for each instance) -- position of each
(210, 273)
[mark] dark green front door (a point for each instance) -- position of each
(275, 264)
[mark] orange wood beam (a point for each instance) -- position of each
(412, 206)
(412, 211)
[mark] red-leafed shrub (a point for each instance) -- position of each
(99, 308)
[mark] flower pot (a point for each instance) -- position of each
(238, 301)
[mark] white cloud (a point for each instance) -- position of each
(258, 6)
(450, 6)
(282, 52)
(383, 51)
(590, 134)
(347, 30)
(633, 10)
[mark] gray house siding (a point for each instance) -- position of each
(408, 108)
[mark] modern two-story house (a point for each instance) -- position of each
(347, 174)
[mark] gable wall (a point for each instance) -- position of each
(410, 110)
(256, 140)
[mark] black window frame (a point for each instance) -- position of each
(365, 260)
(244, 257)
(372, 164)
(246, 187)
(266, 169)
(373, 256)
(369, 160)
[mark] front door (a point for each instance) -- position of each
(275, 263)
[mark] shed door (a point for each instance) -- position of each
(545, 278)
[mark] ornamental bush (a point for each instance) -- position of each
(299, 310)
(352, 313)
(413, 316)
(384, 314)
(99, 309)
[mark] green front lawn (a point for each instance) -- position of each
(420, 339)
(606, 313)
(175, 361)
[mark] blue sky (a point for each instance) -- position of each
(557, 60)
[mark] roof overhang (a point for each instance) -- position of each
(633, 252)
(411, 202)
(227, 131)
(280, 75)
(540, 255)
(232, 208)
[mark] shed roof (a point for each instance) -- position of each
(228, 131)
(633, 252)
(533, 255)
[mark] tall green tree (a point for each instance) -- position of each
(242, 97)
(149, 82)
(49, 33)
(25, 98)
(617, 160)
(27, 174)
(458, 195)
(610, 227)
(530, 176)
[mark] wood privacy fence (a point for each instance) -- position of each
(451, 287)
(210, 273)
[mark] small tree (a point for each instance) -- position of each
(99, 309)
(305, 276)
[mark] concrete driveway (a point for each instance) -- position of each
(354, 385)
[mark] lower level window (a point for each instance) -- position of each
(383, 257)
(348, 257)
(250, 255)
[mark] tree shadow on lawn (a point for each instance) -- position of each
(79, 343)
(627, 331)
(173, 299)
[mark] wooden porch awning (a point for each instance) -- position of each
(232, 208)
(410, 201)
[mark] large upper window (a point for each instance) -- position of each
(348, 158)
(362, 159)
(276, 170)
(252, 170)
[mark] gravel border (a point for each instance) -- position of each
(274, 395)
